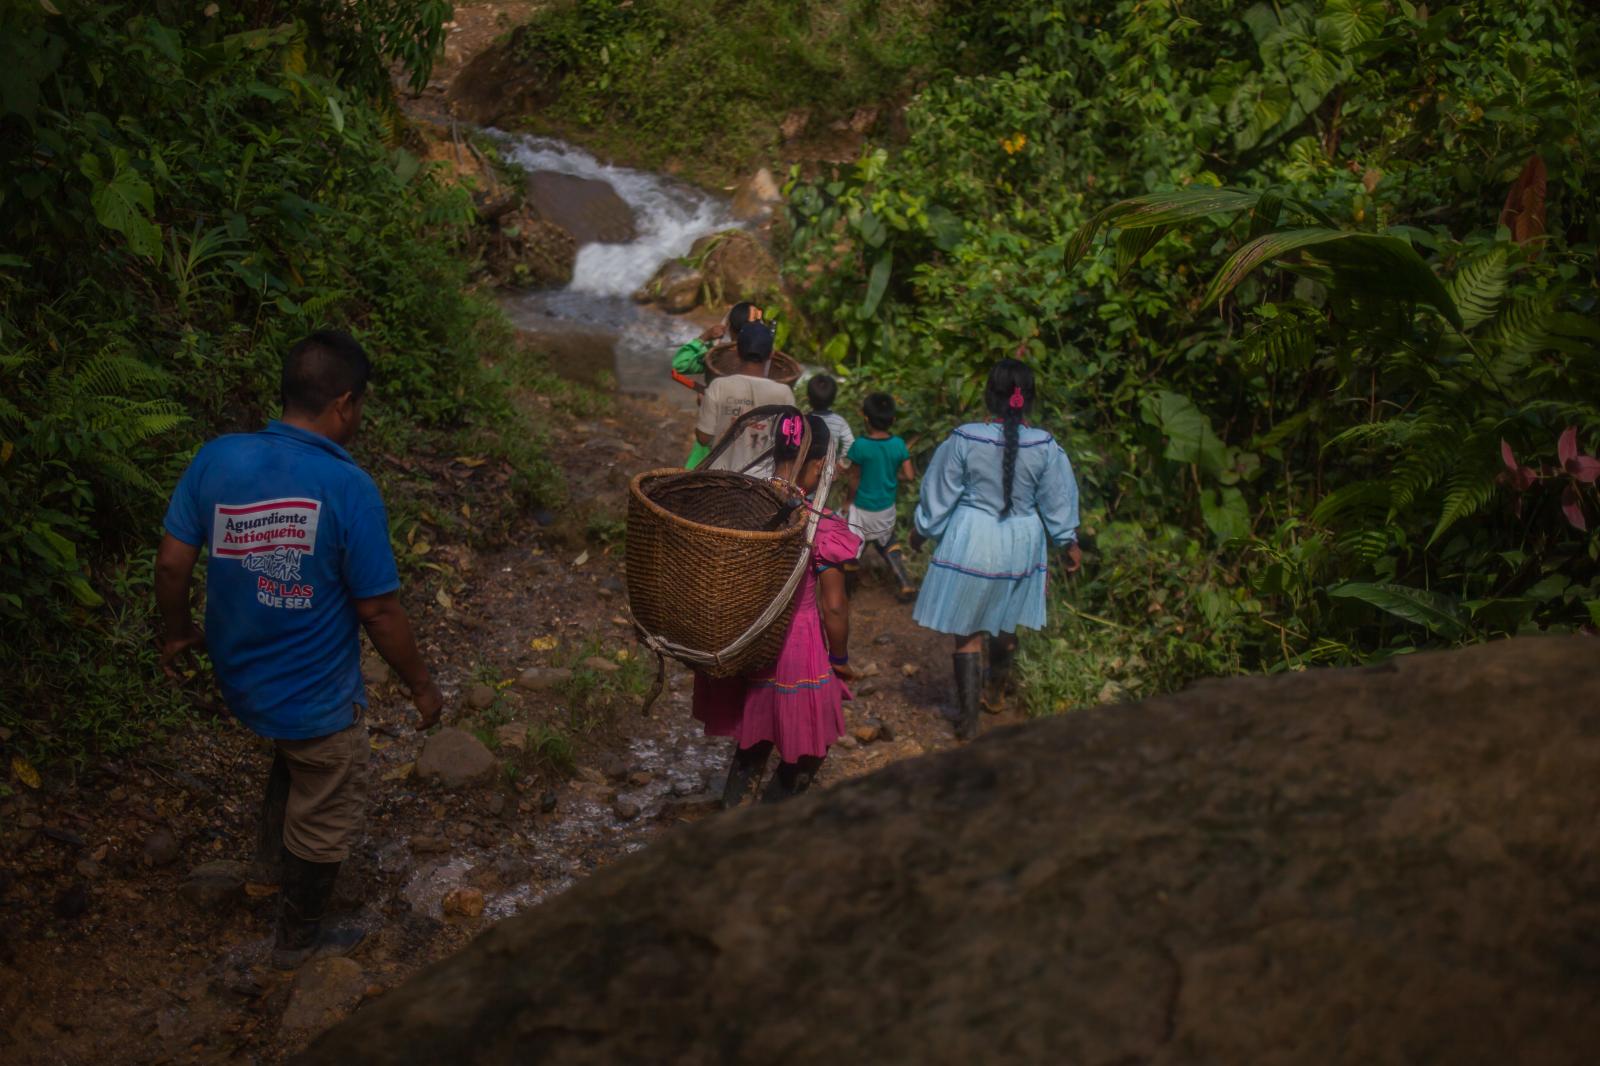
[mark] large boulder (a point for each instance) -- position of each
(587, 208)
(1384, 865)
(736, 266)
(497, 86)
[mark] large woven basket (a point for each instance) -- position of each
(707, 552)
(714, 559)
(723, 360)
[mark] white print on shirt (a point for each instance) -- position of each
(270, 537)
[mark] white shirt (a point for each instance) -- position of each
(725, 399)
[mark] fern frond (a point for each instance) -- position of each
(1287, 428)
(119, 471)
(1466, 495)
(1429, 458)
(115, 375)
(1355, 500)
(1479, 286)
(1364, 545)
(1522, 328)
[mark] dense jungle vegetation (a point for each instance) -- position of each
(187, 189)
(1310, 287)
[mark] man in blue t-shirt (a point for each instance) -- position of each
(299, 561)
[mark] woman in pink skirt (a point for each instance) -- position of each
(796, 704)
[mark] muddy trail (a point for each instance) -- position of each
(132, 930)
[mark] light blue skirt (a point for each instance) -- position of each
(987, 575)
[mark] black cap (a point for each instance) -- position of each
(755, 342)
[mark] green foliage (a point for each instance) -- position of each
(708, 85)
(186, 194)
(1254, 253)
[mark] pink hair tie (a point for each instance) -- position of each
(1017, 402)
(792, 430)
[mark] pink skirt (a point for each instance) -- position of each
(797, 704)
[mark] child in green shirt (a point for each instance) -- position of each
(879, 461)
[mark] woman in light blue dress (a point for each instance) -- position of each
(996, 496)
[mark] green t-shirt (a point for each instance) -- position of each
(879, 461)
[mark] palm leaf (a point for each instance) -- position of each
(1386, 267)
(1434, 612)
(1163, 209)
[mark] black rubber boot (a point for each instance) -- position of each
(302, 901)
(906, 590)
(1002, 650)
(791, 779)
(267, 867)
(969, 692)
(747, 764)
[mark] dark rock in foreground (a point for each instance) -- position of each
(1397, 864)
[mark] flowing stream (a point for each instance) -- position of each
(593, 324)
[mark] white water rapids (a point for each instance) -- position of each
(596, 311)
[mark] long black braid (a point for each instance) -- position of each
(1009, 382)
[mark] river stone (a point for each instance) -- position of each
(323, 992)
(1285, 891)
(540, 678)
(480, 697)
(587, 208)
(756, 197)
(736, 266)
(529, 252)
(675, 287)
(213, 886)
(160, 847)
(455, 757)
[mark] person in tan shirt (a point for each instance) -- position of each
(726, 398)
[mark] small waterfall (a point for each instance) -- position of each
(671, 216)
(596, 309)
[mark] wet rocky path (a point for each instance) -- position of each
(133, 930)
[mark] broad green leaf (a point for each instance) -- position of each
(337, 113)
(406, 166)
(1190, 438)
(946, 228)
(1347, 23)
(124, 203)
(877, 283)
(1225, 512)
(82, 592)
(1435, 612)
(1383, 267)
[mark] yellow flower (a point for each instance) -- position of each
(1014, 143)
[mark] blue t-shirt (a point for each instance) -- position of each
(879, 460)
(296, 532)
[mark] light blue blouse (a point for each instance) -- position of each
(966, 471)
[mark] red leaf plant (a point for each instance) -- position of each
(1575, 468)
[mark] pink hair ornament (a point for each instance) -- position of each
(1016, 401)
(793, 430)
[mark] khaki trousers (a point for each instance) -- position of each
(327, 793)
